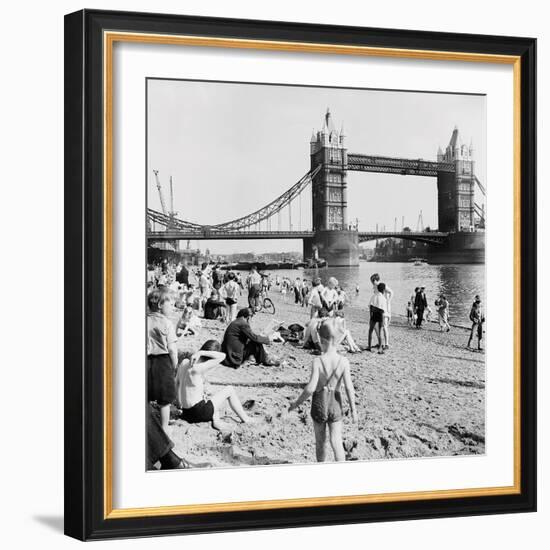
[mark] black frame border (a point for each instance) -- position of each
(84, 262)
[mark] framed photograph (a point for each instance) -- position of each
(300, 274)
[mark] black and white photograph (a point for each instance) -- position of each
(315, 278)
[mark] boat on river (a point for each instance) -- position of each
(419, 261)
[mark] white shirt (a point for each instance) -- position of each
(378, 300)
(315, 298)
(231, 289)
(388, 293)
(330, 296)
(253, 279)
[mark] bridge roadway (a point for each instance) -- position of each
(210, 235)
(433, 237)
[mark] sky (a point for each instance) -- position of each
(231, 148)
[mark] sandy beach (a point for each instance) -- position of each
(424, 397)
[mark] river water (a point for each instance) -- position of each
(458, 282)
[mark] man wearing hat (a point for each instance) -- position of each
(420, 304)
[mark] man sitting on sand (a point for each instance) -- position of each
(240, 342)
(196, 407)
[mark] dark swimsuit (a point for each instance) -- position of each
(326, 404)
(203, 411)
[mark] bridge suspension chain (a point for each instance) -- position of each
(481, 186)
(248, 222)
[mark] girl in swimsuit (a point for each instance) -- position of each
(328, 372)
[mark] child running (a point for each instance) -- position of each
(196, 407)
(327, 374)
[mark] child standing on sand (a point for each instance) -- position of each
(378, 307)
(410, 314)
(477, 318)
(328, 372)
(162, 353)
(442, 305)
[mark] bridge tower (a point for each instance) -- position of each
(456, 189)
(334, 239)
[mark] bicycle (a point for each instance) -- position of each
(263, 302)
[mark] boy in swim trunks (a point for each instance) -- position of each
(190, 389)
(328, 372)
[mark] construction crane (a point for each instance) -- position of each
(173, 213)
(162, 201)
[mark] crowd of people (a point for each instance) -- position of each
(176, 379)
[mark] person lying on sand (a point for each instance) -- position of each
(328, 372)
(190, 378)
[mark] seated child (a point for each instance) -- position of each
(345, 338)
(214, 308)
(190, 378)
(328, 373)
(311, 335)
(189, 322)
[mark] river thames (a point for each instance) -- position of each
(458, 282)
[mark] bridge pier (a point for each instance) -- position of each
(459, 248)
(339, 248)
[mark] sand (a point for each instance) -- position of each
(424, 397)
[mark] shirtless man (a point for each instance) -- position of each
(190, 378)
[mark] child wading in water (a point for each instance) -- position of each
(328, 372)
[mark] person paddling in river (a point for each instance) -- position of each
(328, 373)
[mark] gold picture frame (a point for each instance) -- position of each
(101, 30)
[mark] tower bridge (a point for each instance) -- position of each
(331, 235)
